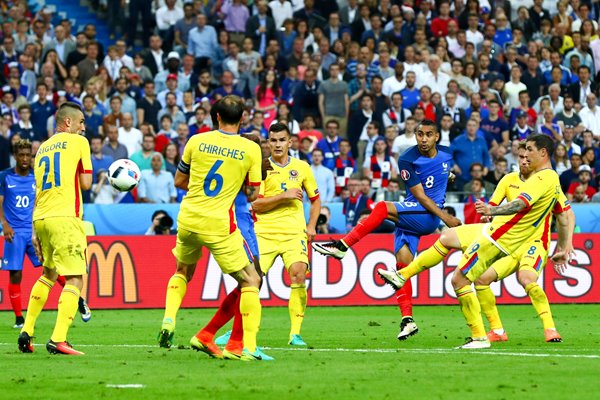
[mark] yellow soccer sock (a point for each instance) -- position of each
(487, 301)
(426, 259)
(471, 310)
(541, 305)
(68, 303)
(297, 307)
(175, 293)
(37, 300)
(251, 310)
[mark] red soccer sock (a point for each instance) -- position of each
(404, 296)
(61, 281)
(14, 292)
(237, 332)
(225, 312)
(367, 226)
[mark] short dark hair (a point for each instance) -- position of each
(21, 144)
(66, 110)
(231, 109)
(319, 150)
(332, 121)
(279, 127)
(542, 142)
(427, 122)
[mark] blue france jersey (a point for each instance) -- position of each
(432, 173)
(19, 198)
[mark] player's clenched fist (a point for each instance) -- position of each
(293, 194)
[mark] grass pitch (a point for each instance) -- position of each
(353, 354)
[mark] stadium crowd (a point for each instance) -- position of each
(352, 79)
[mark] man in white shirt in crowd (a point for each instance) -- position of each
(129, 136)
(394, 83)
(590, 115)
(323, 176)
(435, 78)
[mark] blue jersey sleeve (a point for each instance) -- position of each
(406, 168)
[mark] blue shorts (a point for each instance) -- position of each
(246, 226)
(414, 221)
(14, 253)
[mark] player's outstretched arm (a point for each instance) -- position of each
(425, 201)
(9, 233)
(506, 209)
(265, 204)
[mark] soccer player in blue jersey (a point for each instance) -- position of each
(424, 169)
(17, 195)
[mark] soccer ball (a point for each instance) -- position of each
(124, 175)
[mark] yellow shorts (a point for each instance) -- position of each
(63, 243)
(230, 251)
(478, 257)
(291, 248)
(530, 256)
(467, 233)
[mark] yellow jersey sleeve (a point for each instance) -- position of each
(309, 183)
(500, 193)
(534, 188)
(562, 204)
(255, 174)
(86, 157)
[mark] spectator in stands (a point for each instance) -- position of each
(102, 192)
(23, 126)
(570, 146)
(166, 18)
(345, 166)
(127, 102)
(130, 136)
(584, 183)
(171, 157)
(334, 102)
(261, 28)
(172, 109)
(410, 94)
(100, 161)
(143, 157)
(429, 109)
(89, 65)
(548, 127)
(116, 116)
(380, 167)
(521, 130)
(306, 98)
(396, 114)
(568, 116)
(467, 149)
(590, 114)
(476, 192)
(41, 110)
(500, 168)
(355, 203)
(200, 125)
(560, 159)
(113, 148)
(329, 145)
(161, 224)
(93, 117)
(171, 87)
(148, 106)
(156, 184)
(570, 175)
(323, 176)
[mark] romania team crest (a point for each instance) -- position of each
(293, 175)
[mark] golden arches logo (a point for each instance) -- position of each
(107, 263)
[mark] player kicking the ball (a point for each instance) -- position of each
(281, 229)
(425, 170)
(460, 237)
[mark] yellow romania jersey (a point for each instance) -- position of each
(541, 194)
(58, 163)
(510, 187)
(218, 165)
(287, 218)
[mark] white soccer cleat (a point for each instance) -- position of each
(476, 343)
(408, 328)
(393, 278)
(335, 249)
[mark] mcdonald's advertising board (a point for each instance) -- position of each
(133, 271)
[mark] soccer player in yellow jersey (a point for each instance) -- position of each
(213, 168)
(460, 237)
(281, 229)
(63, 167)
(516, 222)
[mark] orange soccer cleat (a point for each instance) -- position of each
(497, 337)
(62, 348)
(207, 346)
(233, 350)
(552, 336)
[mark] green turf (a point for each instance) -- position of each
(424, 367)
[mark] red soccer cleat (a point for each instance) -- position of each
(62, 348)
(233, 350)
(497, 337)
(207, 346)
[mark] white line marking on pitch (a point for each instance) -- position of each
(491, 352)
(126, 386)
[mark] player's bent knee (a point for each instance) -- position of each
(526, 277)
(459, 280)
